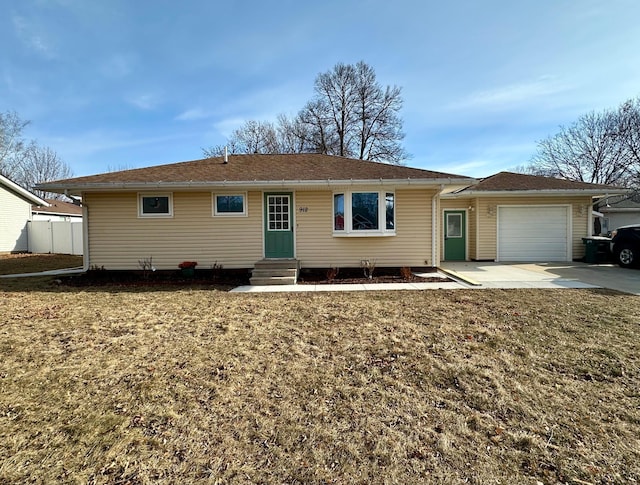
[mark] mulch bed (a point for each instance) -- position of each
(356, 276)
(228, 279)
(221, 280)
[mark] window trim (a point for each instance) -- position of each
(144, 195)
(245, 209)
(348, 230)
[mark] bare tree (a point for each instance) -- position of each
(41, 164)
(11, 142)
(350, 115)
(354, 116)
(629, 132)
(218, 150)
(600, 147)
(27, 163)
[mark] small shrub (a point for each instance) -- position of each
(332, 273)
(188, 265)
(146, 265)
(406, 273)
(216, 270)
(368, 266)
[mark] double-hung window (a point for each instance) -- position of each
(230, 204)
(155, 205)
(364, 213)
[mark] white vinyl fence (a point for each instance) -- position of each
(59, 237)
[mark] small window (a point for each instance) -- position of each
(391, 215)
(338, 212)
(229, 205)
(155, 205)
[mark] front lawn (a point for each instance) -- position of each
(202, 386)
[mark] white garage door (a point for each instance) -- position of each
(534, 233)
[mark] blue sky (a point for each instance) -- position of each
(113, 84)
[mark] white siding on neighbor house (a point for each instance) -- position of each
(55, 217)
(14, 214)
(118, 238)
(614, 220)
(317, 247)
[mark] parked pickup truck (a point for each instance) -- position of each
(625, 245)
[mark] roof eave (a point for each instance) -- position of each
(120, 186)
(544, 193)
(22, 192)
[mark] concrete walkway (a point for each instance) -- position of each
(548, 275)
(495, 275)
(52, 272)
(501, 275)
(438, 285)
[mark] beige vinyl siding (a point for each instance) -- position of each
(487, 216)
(317, 247)
(14, 214)
(118, 238)
(469, 205)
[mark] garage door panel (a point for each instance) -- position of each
(535, 233)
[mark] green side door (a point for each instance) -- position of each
(278, 225)
(455, 237)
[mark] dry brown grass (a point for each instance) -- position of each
(200, 386)
(32, 263)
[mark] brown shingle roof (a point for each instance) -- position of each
(258, 167)
(509, 181)
(58, 207)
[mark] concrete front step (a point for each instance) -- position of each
(276, 263)
(275, 272)
(265, 273)
(273, 280)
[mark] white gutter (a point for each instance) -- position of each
(85, 238)
(434, 228)
(250, 183)
(546, 192)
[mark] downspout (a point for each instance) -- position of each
(85, 236)
(435, 260)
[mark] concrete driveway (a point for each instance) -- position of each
(546, 275)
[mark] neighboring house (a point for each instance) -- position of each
(15, 212)
(620, 210)
(57, 210)
(324, 211)
(517, 217)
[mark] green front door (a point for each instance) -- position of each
(278, 226)
(455, 237)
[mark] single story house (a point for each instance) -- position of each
(15, 212)
(619, 210)
(57, 210)
(321, 211)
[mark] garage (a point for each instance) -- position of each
(534, 233)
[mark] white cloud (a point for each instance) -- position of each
(146, 102)
(118, 66)
(226, 126)
(505, 97)
(193, 114)
(32, 38)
